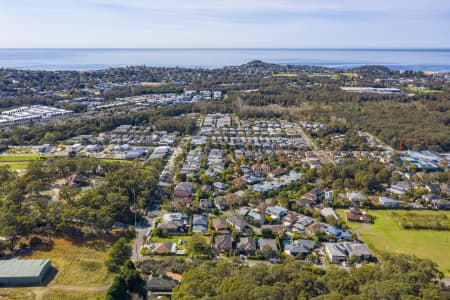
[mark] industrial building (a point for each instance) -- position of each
(33, 112)
(26, 272)
(372, 90)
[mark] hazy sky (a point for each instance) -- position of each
(225, 23)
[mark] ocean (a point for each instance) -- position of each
(437, 60)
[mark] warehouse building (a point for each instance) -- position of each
(26, 272)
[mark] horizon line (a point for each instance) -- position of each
(233, 48)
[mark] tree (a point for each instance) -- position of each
(198, 246)
(118, 290)
(132, 279)
(118, 255)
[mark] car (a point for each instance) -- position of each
(243, 257)
(180, 242)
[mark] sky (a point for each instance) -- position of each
(225, 24)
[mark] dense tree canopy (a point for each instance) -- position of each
(400, 277)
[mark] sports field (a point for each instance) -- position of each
(385, 234)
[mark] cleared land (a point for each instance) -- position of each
(81, 274)
(78, 265)
(73, 295)
(386, 234)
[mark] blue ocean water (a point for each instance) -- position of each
(94, 59)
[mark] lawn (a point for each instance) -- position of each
(76, 265)
(174, 239)
(22, 165)
(422, 91)
(346, 74)
(16, 158)
(385, 234)
(285, 75)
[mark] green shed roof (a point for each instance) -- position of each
(22, 267)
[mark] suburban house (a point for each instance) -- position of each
(315, 227)
(184, 192)
(309, 197)
(220, 202)
(220, 186)
(355, 198)
(329, 196)
(329, 212)
(430, 197)
(238, 223)
(223, 243)
(339, 233)
(356, 215)
(160, 285)
(304, 202)
(219, 224)
(445, 188)
(268, 244)
(205, 205)
(200, 224)
(274, 228)
(258, 218)
(433, 188)
(297, 247)
(276, 212)
(388, 202)
(359, 250)
(174, 217)
(172, 227)
(246, 246)
(336, 253)
(399, 188)
(164, 248)
(440, 204)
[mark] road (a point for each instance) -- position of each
(141, 231)
(324, 156)
(385, 146)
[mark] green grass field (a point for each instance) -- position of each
(19, 162)
(15, 165)
(18, 158)
(285, 75)
(385, 234)
(421, 91)
(346, 74)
